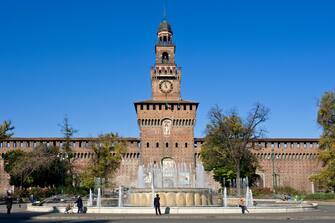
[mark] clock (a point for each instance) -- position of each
(165, 86)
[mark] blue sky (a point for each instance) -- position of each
(90, 60)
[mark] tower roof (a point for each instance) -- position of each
(164, 26)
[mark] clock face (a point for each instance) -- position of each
(165, 86)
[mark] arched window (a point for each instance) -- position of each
(165, 57)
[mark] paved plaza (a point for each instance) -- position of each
(325, 213)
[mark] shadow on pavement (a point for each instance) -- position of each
(46, 217)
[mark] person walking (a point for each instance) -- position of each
(241, 204)
(9, 202)
(157, 205)
(79, 202)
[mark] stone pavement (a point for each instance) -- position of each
(324, 212)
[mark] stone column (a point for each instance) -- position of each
(163, 199)
(180, 199)
(197, 199)
(189, 199)
(203, 199)
(149, 201)
(142, 199)
(170, 199)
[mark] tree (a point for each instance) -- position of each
(6, 130)
(228, 143)
(108, 150)
(39, 167)
(326, 119)
(10, 158)
(66, 153)
(68, 133)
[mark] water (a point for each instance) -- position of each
(225, 199)
(140, 177)
(90, 199)
(120, 203)
(99, 198)
(249, 201)
(152, 190)
(170, 174)
(200, 176)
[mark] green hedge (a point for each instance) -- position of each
(320, 196)
(288, 190)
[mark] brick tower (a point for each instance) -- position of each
(166, 121)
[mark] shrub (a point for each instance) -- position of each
(288, 190)
(262, 192)
(320, 196)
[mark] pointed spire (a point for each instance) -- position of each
(164, 10)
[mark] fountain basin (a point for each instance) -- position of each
(180, 210)
(171, 197)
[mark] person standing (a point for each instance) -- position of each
(80, 204)
(157, 204)
(9, 202)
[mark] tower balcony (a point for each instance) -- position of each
(161, 43)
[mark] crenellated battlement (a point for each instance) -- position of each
(168, 70)
(159, 122)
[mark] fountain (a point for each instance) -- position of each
(90, 199)
(120, 203)
(140, 177)
(176, 183)
(200, 181)
(182, 190)
(99, 198)
(225, 199)
(249, 202)
(152, 189)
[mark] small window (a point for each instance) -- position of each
(148, 145)
(186, 145)
(167, 145)
(176, 145)
(157, 145)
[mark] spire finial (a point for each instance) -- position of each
(164, 10)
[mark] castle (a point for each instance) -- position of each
(166, 124)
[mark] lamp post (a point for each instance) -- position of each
(274, 181)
